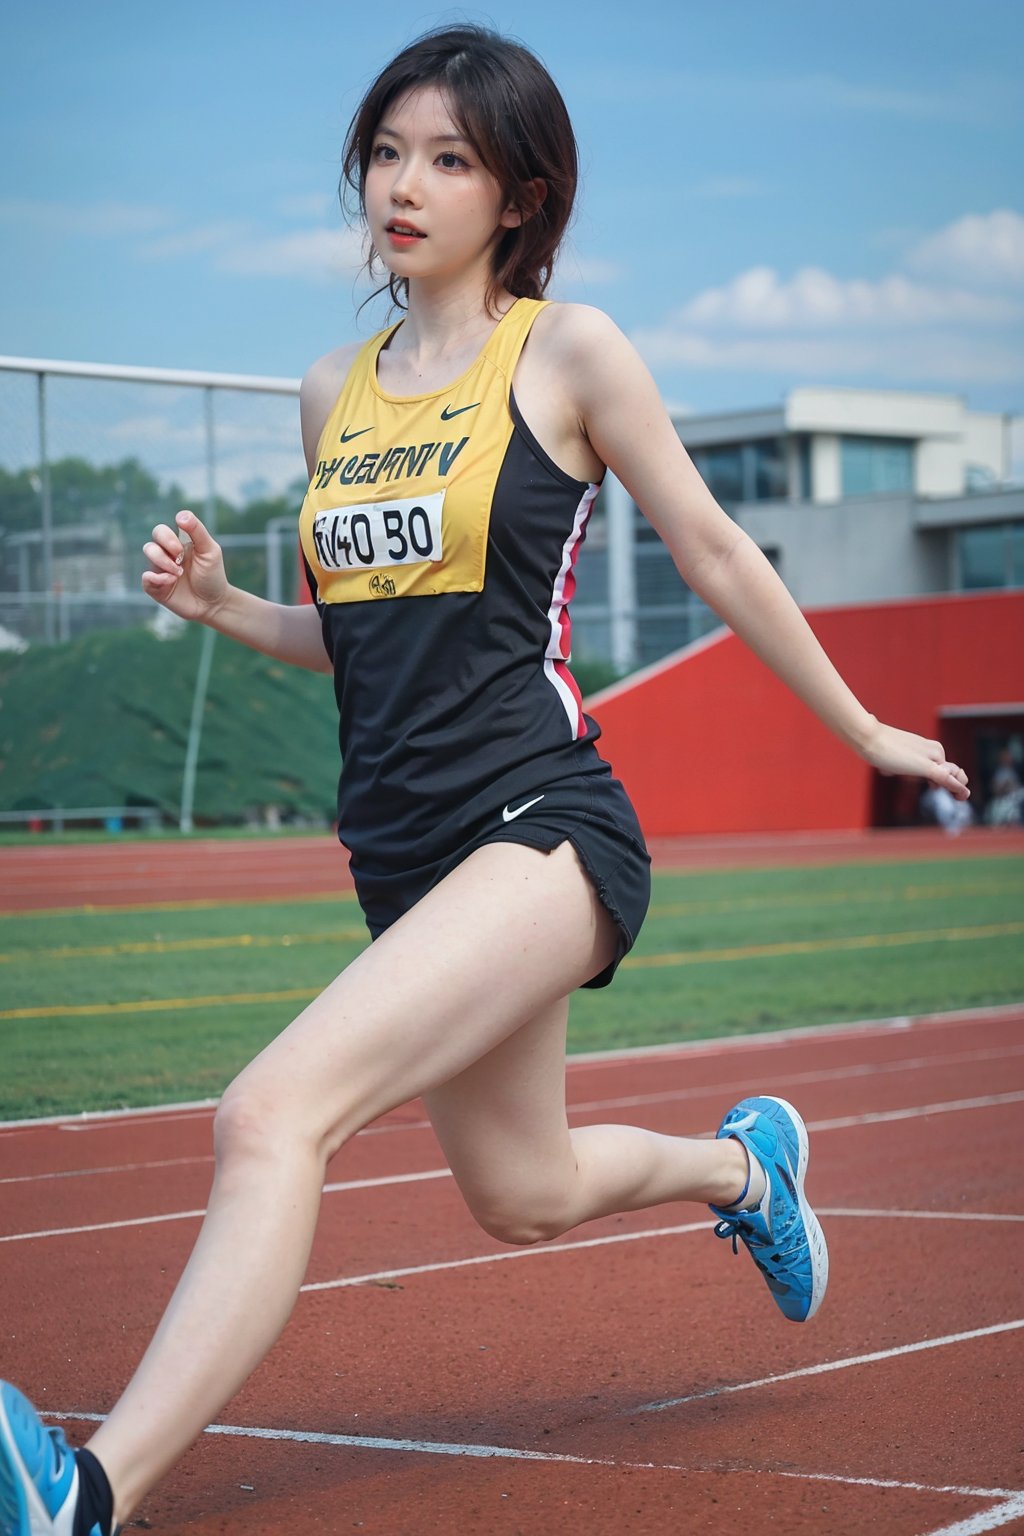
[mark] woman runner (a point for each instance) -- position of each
(453, 462)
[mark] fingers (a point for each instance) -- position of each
(200, 535)
(952, 777)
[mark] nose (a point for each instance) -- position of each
(405, 188)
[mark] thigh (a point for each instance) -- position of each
(502, 1122)
(501, 939)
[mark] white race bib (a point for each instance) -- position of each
(380, 533)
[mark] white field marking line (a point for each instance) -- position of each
(836, 1031)
(143, 1221)
(832, 1365)
(878, 1116)
(880, 1482)
(985, 1520)
(822, 1075)
(871, 1117)
(628, 1101)
(511, 1453)
(509, 1253)
(487, 1258)
(84, 1173)
(621, 1237)
(94, 1119)
(836, 1211)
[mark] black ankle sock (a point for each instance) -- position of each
(95, 1499)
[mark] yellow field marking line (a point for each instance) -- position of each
(199, 904)
(161, 1004)
(635, 962)
(179, 946)
(669, 909)
(818, 946)
(833, 898)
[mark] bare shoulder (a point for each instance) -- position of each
(574, 332)
(321, 386)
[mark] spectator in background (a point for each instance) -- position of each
(1006, 795)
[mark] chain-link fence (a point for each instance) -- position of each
(90, 459)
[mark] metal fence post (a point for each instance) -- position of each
(195, 728)
(46, 497)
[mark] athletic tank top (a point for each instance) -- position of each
(440, 540)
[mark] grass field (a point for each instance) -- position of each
(113, 1007)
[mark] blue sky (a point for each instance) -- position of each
(773, 195)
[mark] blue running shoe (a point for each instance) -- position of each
(38, 1472)
(782, 1234)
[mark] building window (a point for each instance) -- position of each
(723, 472)
(752, 471)
(990, 557)
(806, 486)
(875, 466)
(771, 479)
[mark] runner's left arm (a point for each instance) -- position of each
(623, 416)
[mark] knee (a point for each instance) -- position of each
(522, 1221)
(251, 1125)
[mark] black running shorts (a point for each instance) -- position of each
(590, 810)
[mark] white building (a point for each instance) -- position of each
(854, 495)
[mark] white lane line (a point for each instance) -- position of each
(1006, 1510)
(984, 1520)
(878, 1116)
(445, 1173)
(380, 1443)
(142, 1221)
(627, 1101)
(832, 1365)
(382, 1276)
(884, 1482)
(103, 1119)
(85, 1173)
(789, 1079)
(850, 1210)
(856, 1028)
(870, 1117)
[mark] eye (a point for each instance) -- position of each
(450, 161)
(384, 154)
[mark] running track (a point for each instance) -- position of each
(631, 1377)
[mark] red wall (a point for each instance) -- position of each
(710, 741)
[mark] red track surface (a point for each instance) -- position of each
(120, 874)
(553, 1352)
(415, 1382)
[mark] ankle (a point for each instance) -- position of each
(747, 1188)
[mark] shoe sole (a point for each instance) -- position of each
(815, 1236)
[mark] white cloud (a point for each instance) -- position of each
(979, 248)
(759, 300)
(190, 242)
(307, 205)
(315, 254)
(921, 356)
(897, 328)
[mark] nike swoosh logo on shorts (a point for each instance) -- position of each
(508, 815)
(347, 436)
(447, 414)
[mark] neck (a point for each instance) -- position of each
(444, 318)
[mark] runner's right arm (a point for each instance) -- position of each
(187, 576)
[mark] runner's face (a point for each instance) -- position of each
(432, 208)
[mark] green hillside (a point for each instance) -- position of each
(103, 721)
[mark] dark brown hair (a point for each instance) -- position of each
(509, 108)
